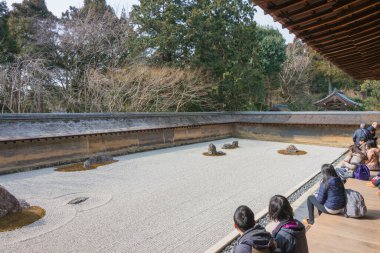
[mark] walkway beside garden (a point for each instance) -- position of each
(332, 233)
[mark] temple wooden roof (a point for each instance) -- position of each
(337, 101)
(346, 32)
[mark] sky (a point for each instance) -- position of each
(59, 6)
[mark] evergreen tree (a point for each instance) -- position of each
(27, 22)
(7, 44)
(216, 35)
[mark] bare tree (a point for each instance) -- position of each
(143, 88)
(295, 75)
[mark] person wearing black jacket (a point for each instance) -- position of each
(253, 237)
(290, 234)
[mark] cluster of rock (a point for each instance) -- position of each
(10, 204)
(97, 159)
(291, 149)
(235, 144)
(212, 150)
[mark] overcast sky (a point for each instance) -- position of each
(57, 7)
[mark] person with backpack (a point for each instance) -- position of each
(290, 234)
(349, 165)
(372, 155)
(253, 237)
(331, 198)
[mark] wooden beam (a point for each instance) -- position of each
(281, 7)
(345, 31)
(306, 8)
(340, 10)
(363, 38)
(329, 22)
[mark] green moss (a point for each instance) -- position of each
(298, 152)
(25, 217)
(79, 167)
(207, 154)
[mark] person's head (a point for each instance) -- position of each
(374, 125)
(362, 125)
(244, 219)
(371, 144)
(362, 140)
(328, 172)
(279, 208)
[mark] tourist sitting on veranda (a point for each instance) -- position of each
(350, 163)
(290, 234)
(359, 133)
(331, 197)
(253, 237)
(372, 155)
(372, 131)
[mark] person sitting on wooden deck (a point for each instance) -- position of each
(350, 163)
(359, 133)
(331, 198)
(372, 132)
(253, 237)
(290, 234)
(372, 155)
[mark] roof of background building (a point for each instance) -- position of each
(337, 101)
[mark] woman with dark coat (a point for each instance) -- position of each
(290, 234)
(331, 198)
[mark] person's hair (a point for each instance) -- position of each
(244, 218)
(371, 144)
(328, 172)
(363, 139)
(279, 208)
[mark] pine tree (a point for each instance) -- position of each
(25, 21)
(7, 44)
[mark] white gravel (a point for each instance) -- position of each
(168, 200)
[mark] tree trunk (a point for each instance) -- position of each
(330, 84)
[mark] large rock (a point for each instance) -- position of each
(235, 144)
(212, 150)
(8, 203)
(291, 149)
(97, 159)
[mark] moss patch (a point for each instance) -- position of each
(285, 152)
(79, 167)
(207, 154)
(18, 220)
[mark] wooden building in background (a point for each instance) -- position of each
(337, 101)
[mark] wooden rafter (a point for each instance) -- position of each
(347, 32)
(340, 11)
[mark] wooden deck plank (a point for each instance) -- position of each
(335, 233)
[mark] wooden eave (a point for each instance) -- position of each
(345, 32)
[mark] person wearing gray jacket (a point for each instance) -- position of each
(253, 237)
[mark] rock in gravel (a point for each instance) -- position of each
(77, 201)
(291, 149)
(96, 160)
(212, 150)
(8, 203)
(23, 204)
(235, 144)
